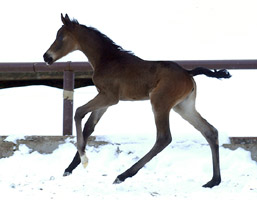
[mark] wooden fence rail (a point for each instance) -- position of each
(68, 69)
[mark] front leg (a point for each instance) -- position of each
(101, 102)
(87, 131)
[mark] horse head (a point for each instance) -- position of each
(64, 43)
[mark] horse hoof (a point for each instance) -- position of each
(212, 183)
(84, 160)
(117, 181)
(67, 173)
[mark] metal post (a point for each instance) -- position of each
(68, 89)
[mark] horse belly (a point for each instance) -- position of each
(134, 93)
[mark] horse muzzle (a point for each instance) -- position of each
(48, 59)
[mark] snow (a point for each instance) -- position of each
(176, 173)
(170, 30)
(14, 138)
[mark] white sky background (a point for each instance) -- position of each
(153, 30)
(165, 29)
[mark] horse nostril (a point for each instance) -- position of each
(45, 56)
(48, 59)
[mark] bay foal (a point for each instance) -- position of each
(120, 75)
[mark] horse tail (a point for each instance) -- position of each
(223, 73)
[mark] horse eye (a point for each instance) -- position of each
(59, 38)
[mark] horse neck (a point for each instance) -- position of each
(97, 49)
(89, 45)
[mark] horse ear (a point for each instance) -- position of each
(65, 20)
(67, 17)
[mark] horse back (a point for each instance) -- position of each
(135, 79)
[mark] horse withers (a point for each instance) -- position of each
(120, 75)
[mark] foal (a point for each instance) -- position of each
(120, 75)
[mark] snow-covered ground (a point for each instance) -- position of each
(176, 173)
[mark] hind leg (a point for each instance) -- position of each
(161, 109)
(87, 131)
(187, 110)
(162, 140)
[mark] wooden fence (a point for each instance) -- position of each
(70, 75)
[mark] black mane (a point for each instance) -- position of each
(104, 38)
(74, 21)
(108, 40)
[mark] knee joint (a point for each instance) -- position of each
(164, 140)
(79, 114)
(213, 135)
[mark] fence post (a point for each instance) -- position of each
(68, 89)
